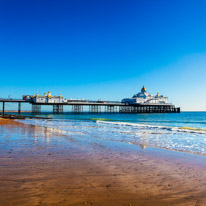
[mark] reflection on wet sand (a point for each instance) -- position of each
(142, 146)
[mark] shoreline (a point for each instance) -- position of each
(39, 167)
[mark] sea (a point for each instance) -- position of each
(183, 132)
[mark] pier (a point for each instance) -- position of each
(93, 107)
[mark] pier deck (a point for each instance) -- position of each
(96, 107)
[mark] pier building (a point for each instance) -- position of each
(144, 97)
(46, 98)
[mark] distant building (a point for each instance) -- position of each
(45, 98)
(145, 97)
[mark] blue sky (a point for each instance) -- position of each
(104, 49)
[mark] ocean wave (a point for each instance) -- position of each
(151, 121)
(143, 126)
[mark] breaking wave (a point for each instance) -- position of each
(177, 129)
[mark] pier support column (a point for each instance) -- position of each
(77, 109)
(110, 109)
(3, 108)
(125, 109)
(177, 110)
(61, 109)
(36, 108)
(19, 107)
(57, 109)
(134, 109)
(94, 109)
(121, 109)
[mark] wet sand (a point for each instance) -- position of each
(41, 166)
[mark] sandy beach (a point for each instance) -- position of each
(40, 166)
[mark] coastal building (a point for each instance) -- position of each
(46, 98)
(144, 97)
